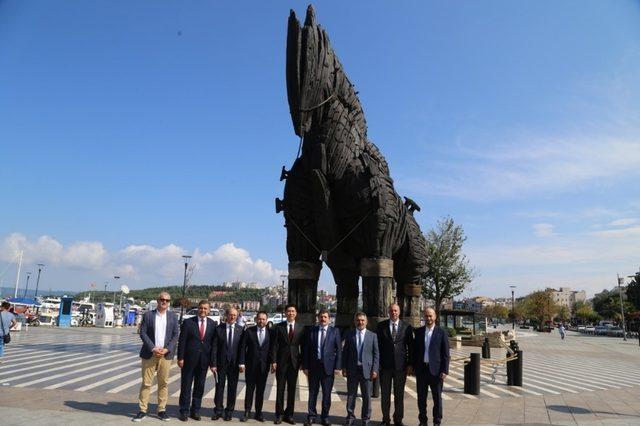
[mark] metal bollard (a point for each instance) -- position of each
(472, 375)
(486, 348)
(509, 369)
(517, 369)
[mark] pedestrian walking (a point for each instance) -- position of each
(360, 364)
(159, 333)
(561, 330)
(7, 320)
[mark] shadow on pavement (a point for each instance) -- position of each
(125, 409)
(580, 410)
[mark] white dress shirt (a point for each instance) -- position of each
(200, 321)
(160, 329)
(320, 339)
(397, 323)
(360, 342)
(428, 332)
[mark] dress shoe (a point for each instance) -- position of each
(183, 417)
(195, 416)
(227, 417)
(277, 420)
(245, 417)
(325, 422)
(289, 420)
(215, 416)
(385, 423)
(398, 424)
(258, 417)
(308, 422)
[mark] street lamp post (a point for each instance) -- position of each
(115, 277)
(106, 283)
(184, 285)
(513, 306)
(624, 327)
(27, 286)
(636, 277)
(40, 266)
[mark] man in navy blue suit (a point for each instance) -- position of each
(431, 365)
(360, 365)
(197, 339)
(255, 356)
(321, 360)
(224, 358)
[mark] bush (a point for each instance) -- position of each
(451, 332)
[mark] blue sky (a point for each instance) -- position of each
(134, 132)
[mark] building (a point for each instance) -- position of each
(478, 303)
(567, 297)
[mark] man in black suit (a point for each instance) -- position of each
(286, 353)
(225, 360)
(395, 339)
(255, 356)
(321, 359)
(197, 339)
(431, 365)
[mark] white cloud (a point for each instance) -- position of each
(142, 264)
(543, 230)
(530, 166)
(624, 222)
(619, 233)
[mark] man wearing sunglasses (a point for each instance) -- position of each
(159, 333)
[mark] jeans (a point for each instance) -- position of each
(1, 345)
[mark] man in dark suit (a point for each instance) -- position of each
(286, 354)
(395, 338)
(255, 356)
(225, 360)
(431, 365)
(360, 364)
(159, 333)
(197, 339)
(321, 359)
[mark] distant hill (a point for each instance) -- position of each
(10, 291)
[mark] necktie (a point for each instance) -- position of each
(321, 348)
(394, 331)
(290, 332)
(260, 336)
(360, 347)
(202, 329)
(229, 341)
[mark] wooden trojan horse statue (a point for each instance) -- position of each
(339, 202)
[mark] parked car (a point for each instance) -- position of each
(274, 319)
(590, 329)
(600, 330)
(214, 314)
(615, 332)
(582, 328)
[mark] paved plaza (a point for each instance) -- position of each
(80, 375)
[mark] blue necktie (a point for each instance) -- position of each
(360, 347)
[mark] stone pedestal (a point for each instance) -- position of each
(377, 289)
(303, 289)
(409, 301)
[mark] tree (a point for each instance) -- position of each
(563, 314)
(496, 312)
(540, 306)
(633, 292)
(583, 312)
(448, 271)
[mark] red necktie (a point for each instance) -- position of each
(290, 332)
(202, 329)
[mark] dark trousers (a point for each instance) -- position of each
(355, 379)
(230, 374)
(256, 382)
(317, 379)
(286, 375)
(424, 381)
(397, 378)
(192, 375)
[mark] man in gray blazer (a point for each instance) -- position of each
(360, 361)
(159, 333)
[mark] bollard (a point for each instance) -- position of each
(509, 369)
(517, 369)
(472, 375)
(486, 348)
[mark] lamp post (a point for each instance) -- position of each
(624, 328)
(40, 266)
(106, 283)
(115, 277)
(283, 277)
(513, 306)
(636, 277)
(184, 285)
(27, 286)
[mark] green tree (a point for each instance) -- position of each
(540, 306)
(633, 292)
(448, 271)
(563, 314)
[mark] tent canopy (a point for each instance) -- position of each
(23, 301)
